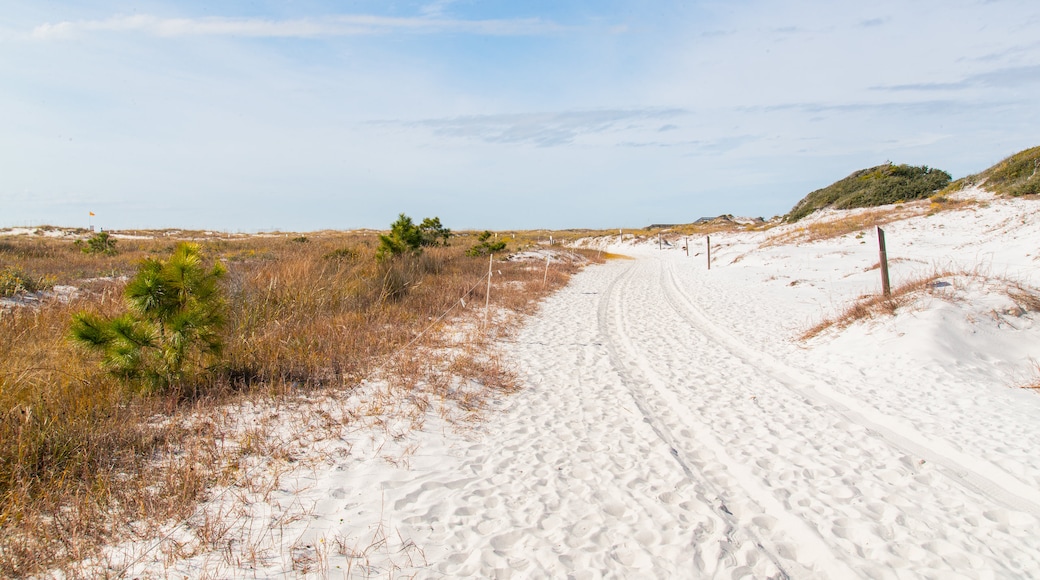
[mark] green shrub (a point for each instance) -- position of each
(100, 243)
(485, 246)
(1017, 175)
(404, 236)
(871, 187)
(433, 233)
(171, 329)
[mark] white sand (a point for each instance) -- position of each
(672, 425)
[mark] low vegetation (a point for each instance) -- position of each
(1017, 175)
(868, 307)
(171, 331)
(881, 185)
(486, 245)
(14, 280)
(92, 439)
(845, 224)
(100, 243)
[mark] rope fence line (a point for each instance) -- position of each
(238, 483)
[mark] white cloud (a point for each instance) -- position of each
(543, 129)
(328, 26)
(436, 8)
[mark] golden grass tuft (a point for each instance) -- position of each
(854, 221)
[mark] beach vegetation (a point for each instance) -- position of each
(99, 243)
(14, 280)
(1016, 175)
(171, 329)
(433, 232)
(485, 245)
(1025, 298)
(94, 452)
(875, 186)
(404, 237)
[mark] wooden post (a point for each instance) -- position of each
(487, 297)
(885, 288)
(686, 244)
(620, 236)
(659, 245)
(546, 277)
(709, 252)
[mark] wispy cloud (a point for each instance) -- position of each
(436, 8)
(542, 129)
(338, 25)
(708, 146)
(872, 22)
(1011, 77)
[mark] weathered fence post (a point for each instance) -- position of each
(660, 246)
(686, 245)
(709, 252)
(885, 288)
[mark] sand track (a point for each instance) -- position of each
(670, 427)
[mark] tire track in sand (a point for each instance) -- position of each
(707, 462)
(824, 495)
(996, 483)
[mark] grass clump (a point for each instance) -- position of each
(1025, 299)
(872, 306)
(881, 185)
(14, 280)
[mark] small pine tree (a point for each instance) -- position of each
(433, 233)
(171, 329)
(404, 237)
(485, 246)
(100, 243)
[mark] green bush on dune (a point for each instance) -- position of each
(875, 186)
(1016, 175)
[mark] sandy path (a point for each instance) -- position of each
(652, 440)
(669, 427)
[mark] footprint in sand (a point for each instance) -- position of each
(505, 542)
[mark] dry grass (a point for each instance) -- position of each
(867, 307)
(83, 461)
(855, 221)
(845, 223)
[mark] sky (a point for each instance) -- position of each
(301, 115)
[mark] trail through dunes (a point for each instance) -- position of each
(672, 425)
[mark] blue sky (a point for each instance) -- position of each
(306, 115)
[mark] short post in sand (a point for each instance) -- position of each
(686, 245)
(660, 245)
(883, 262)
(546, 277)
(620, 236)
(709, 252)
